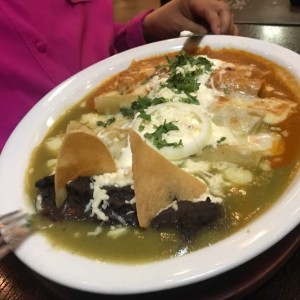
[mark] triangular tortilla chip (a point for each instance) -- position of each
(157, 182)
(82, 153)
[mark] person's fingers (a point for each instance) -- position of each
(213, 20)
(195, 27)
(235, 30)
(218, 17)
(198, 16)
(226, 21)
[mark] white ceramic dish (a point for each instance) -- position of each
(94, 276)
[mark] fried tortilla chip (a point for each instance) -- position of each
(82, 153)
(111, 103)
(157, 182)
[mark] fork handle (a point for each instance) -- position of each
(4, 248)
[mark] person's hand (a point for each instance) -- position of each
(197, 16)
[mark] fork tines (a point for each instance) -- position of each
(13, 230)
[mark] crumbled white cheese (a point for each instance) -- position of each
(204, 196)
(117, 232)
(53, 144)
(121, 178)
(38, 202)
(173, 205)
(132, 201)
(99, 197)
(91, 119)
(238, 175)
(51, 165)
(97, 231)
(218, 175)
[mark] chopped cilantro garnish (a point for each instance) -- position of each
(157, 136)
(127, 112)
(183, 59)
(144, 116)
(158, 100)
(226, 91)
(190, 99)
(183, 82)
(185, 79)
(107, 123)
(222, 139)
(140, 105)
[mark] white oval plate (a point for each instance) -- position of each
(94, 276)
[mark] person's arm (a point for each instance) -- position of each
(130, 34)
(198, 16)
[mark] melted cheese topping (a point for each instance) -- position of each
(225, 125)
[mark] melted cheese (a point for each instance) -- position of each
(222, 119)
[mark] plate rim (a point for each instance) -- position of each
(176, 273)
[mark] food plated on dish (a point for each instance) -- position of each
(161, 158)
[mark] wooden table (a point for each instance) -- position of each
(273, 275)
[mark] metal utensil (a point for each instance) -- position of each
(13, 230)
(192, 42)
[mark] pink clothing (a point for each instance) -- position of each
(44, 42)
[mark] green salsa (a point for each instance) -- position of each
(242, 203)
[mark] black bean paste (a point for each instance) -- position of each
(188, 219)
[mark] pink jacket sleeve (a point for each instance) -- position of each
(130, 35)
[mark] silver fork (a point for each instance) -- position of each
(13, 230)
